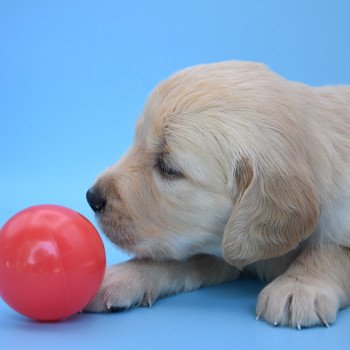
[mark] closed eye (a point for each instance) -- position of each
(167, 169)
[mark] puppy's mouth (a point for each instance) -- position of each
(119, 230)
(122, 232)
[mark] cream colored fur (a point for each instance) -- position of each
(259, 182)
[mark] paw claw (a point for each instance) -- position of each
(297, 303)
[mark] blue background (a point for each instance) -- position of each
(73, 78)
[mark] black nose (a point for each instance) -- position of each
(95, 199)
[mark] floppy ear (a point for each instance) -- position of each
(274, 211)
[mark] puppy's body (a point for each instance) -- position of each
(233, 168)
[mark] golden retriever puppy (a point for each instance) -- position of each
(233, 169)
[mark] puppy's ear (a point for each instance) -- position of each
(274, 210)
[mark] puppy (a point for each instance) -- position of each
(233, 169)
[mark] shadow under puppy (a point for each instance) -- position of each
(233, 168)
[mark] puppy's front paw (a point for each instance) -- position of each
(124, 286)
(297, 302)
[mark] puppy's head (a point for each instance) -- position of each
(199, 177)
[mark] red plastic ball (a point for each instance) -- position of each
(52, 262)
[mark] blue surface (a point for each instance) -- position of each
(73, 78)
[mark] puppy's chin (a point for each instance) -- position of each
(126, 238)
(125, 234)
(119, 232)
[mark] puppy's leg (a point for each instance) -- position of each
(141, 282)
(311, 291)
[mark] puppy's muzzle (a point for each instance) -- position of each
(96, 199)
